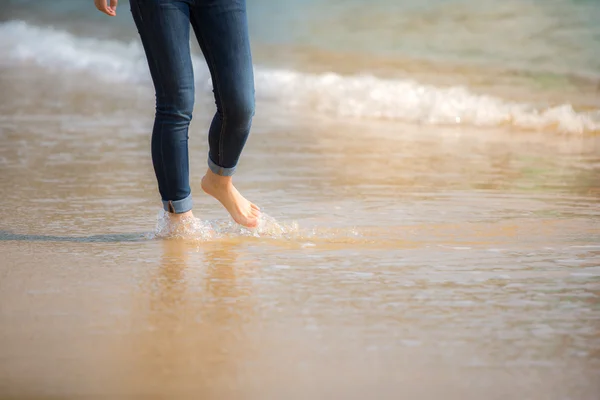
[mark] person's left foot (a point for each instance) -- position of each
(221, 188)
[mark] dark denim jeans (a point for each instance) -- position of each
(222, 31)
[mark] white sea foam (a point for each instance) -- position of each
(361, 96)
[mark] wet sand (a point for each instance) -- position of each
(403, 261)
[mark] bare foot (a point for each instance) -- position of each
(221, 188)
(174, 225)
(179, 223)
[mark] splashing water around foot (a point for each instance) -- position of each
(196, 229)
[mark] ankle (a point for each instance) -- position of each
(179, 217)
(218, 180)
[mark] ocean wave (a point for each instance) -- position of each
(363, 96)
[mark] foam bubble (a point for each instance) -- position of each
(109, 60)
(406, 100)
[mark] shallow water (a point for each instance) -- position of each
(404, 254)
(403, 259)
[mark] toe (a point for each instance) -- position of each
(254, 206)
(252, 223)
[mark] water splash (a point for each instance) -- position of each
(186, 228)
(192, 228)
(195, 229)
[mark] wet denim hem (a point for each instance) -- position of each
(220, 170)
(178, 206)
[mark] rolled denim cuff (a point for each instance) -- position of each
(220, 170)
(178, 206)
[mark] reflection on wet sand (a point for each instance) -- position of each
(192, 311)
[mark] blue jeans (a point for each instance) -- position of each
(221, 29)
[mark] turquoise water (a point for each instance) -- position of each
(550, 35)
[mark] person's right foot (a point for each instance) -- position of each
(176, 218)
(221, 188)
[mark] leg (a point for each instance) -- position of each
(222, 30)
(164, 27)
